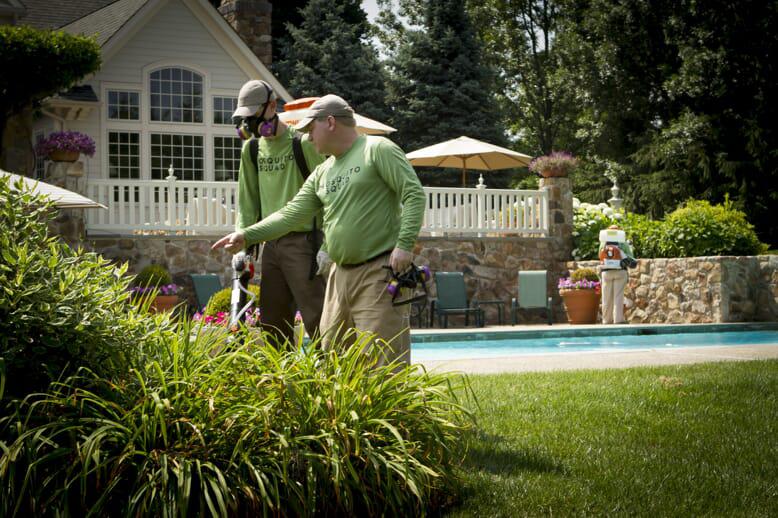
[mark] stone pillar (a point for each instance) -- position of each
(251, 19)
(16, 148)
(560, 215)
(70, 224)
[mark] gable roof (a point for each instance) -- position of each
(45, 14)
(106, 21)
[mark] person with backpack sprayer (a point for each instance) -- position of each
(615, 257)
(275, 161)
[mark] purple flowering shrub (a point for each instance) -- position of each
(559, 162)
(66, 141)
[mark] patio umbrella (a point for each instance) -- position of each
(294, 110)
(468, 153)
(62, 198)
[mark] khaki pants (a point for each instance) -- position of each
(285, 287)
(613, 284)
(357, 298)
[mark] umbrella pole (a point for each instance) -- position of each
(464, 174)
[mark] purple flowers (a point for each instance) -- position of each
(167, 289)
(559, 162)
(66, 141)
(567, 283)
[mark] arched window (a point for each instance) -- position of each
(176, 95)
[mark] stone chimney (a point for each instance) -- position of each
(251, 20)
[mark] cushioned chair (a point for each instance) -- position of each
(452, 299)
(205, 285)
(533, 294)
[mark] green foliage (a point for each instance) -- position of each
(329, 52)
(39, 63)
(699, 229)
(440, 87)
(59, 308)
(537, 95)
(153, 275)
(696, 229)
(221, 300)
(252, 430)
(584, 274)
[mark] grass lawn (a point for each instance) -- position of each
(659, 441)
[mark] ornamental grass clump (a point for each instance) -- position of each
(558, 163)
(66, 141)
(249, 429)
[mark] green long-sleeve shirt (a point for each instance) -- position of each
(371, 199)
(276, 182)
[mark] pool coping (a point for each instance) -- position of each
(567, 330)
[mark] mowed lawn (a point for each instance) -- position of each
(660, 441)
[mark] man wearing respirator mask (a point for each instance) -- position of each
(275, 160)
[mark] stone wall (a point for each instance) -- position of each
(181, 255)
(701, 289)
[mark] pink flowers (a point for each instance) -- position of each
(66, 141)
(567, 283)
(559, 162)
(222, 318)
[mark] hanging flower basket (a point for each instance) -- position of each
(65, 146)
(60, 155)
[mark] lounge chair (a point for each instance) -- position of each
(205, 285)
(452, 299)
(533, 294)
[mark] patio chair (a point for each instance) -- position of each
(205, 285)
(533, 294)
(452, 299)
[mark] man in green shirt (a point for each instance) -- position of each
(265, 183)
(373, 206)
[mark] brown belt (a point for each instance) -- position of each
(365, 262)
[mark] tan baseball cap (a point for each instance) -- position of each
(328, 105)
(253, 94)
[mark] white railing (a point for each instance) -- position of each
(189, 207)
(497, 211)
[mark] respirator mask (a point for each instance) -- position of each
(413, 282)
(257, 125)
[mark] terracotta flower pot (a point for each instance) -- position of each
(581, 305)
(164, 303)
(60, 155)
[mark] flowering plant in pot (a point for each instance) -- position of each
(581, 295)
(155, 278)
(65, 146)
(558, 163)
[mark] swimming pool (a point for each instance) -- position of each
(430, 346)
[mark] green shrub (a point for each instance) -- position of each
(153, 275)
(251, 431)
(59, 308)
(588, 220)
(696, 229)
(584, 274)
(701, 229)
(221, 300)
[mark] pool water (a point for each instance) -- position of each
(513, 344)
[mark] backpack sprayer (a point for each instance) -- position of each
(241, 299)
(415, 276)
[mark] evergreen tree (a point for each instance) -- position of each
(440, 87)
(329, 53)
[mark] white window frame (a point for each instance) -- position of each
(213, 162)
(108, 91)
(207, 129)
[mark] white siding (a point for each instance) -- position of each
(174, 34)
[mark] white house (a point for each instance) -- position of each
(161, 104)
